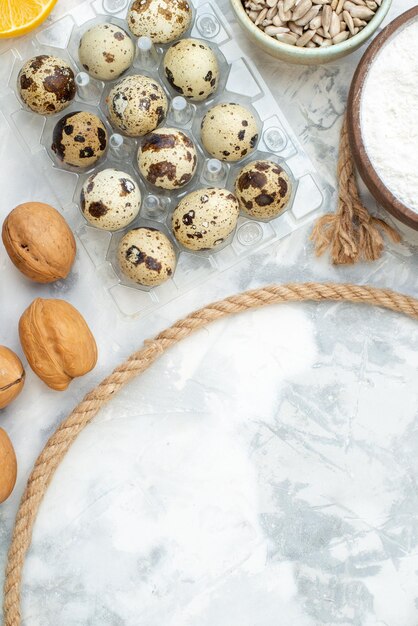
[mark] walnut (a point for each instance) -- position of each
(8, 466)
(57, 342)
(39, 242)
(12, 376)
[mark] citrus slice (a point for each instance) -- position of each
(18, 17)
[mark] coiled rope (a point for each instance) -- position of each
(60, 442)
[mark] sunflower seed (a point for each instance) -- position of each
(298, 30)
(271, 13)
(287, 38)
(288, 5)
(305, 19)
(363, 13)
(302, 41)
(301, 9)
(335, 26)
(340, 37)
(277, 21)
(326, 17)
(323, 34)
(260, 17)
(275, 30)
(315, 23)
(349, 21)
(285, 16)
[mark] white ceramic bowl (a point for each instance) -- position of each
(307, 56)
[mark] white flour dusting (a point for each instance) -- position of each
(389, 115)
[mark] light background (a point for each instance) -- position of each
(265, 471)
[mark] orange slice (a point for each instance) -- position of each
(18, 17)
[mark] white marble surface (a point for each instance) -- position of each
(264, 472)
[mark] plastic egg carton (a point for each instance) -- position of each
(240, 82)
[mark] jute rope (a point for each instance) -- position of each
(60, 442)
(351, 233)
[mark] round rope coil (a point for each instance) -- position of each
(59, 443)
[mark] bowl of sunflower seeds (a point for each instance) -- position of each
(310, 32)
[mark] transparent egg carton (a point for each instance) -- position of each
(240, 82)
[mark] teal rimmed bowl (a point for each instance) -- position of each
(308, 56)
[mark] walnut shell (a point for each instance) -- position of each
(39, 242)
(12, 376)
(57, 342)
(8, 466)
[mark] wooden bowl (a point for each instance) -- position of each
(366, 170)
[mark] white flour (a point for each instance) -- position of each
(389, 115)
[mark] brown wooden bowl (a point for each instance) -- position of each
(366, 170)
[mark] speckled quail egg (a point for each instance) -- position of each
(106, 51)
(79, 139)
(137, 105)
(229, 132)
(161, 20)
(263, 189)
(167, 158)
(147, 256)
(205, 218)
(192, 69)
(110, 199)
(46, 84)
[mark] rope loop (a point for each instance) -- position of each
(60, 442)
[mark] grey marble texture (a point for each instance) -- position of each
(263, 472)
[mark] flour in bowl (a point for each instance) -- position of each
(389, 110)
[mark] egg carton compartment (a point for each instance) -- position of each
(240, 82)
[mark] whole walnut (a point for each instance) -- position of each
(57, 342)
(12, 376)
(8, 466)
(39, 242)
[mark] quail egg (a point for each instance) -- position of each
(79, 139)
(137, 105)
(192, 69)
(167, 158)
(110, 199)
(229, 132)
(161, 20)
(147, 256)
(205, 218)
(46, 84)
(106, 51)
(263, 189)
